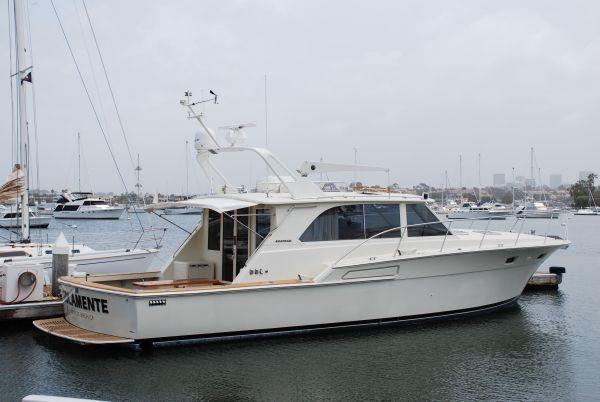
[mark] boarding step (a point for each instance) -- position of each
(63, 329)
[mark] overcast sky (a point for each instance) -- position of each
(410, 84)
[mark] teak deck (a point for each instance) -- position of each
(62, 328)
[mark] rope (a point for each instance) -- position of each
(93, 108)
(108, 82)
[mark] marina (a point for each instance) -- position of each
(285, 240)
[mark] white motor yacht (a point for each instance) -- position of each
(183, 211)
(537, 209)
(84, 206)
(301, 259)
(471, 210)
(587, 212)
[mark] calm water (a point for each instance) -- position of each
(545, 348)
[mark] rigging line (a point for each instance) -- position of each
(12, 94)
(84, 39)
(108, 82)
(33, 103)
(93, 108)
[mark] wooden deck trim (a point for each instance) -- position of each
(82, 281)
(62, 328)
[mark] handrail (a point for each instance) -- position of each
(404, 229)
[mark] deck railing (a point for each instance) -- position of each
(448, 224)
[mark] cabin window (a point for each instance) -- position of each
(214, 230)
(416, 214)
(263, 225)
(381, 217)
(345, 222)
(70, 207)
(59, 208)
(350, 222)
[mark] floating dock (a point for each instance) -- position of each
(546, 280)
(31, 310)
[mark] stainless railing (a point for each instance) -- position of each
(403, 229)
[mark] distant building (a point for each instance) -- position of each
(530, 183)
(583, 175)
(520, 181)
(555, 180)
(499, 179)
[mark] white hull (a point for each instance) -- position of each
(183, 211)
(96, 262)
(539, 214)
(105, 213)
(34, 222)
(420, 287)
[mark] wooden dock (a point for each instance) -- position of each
(546, 280)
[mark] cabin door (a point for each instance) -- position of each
(235, 243)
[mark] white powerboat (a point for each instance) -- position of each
(470, 210)
(84, 206)
(587, 212)
(11, 219)
(537, 210)
(299, 259)
(183, 211)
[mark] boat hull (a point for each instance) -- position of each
(427, 287)
(108, 213)
(34, 222)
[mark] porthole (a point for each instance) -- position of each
(510, 260)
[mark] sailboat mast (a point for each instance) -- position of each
(24, 76)
(79, 162)
(187, 171)
(138, 184)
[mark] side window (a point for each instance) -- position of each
(263, 225)
(87, 203)
(339, 223)
(381, 217)
(419, 213)
(350, 222)
(214, 230)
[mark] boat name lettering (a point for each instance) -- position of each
(157, 302)
(87, 303)
(283, 241)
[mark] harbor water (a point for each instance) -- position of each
(547, 347)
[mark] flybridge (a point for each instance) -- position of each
(207, 145)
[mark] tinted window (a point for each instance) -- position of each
(214, 230)
(71, 208)
(263, 225)
(381, 217)
(87, 203)
(338, 223)
(419, 213)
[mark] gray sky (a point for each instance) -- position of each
(411, 84)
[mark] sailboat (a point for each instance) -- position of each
(592, 208)
(85, 258)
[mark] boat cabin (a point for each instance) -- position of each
(255, 237)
